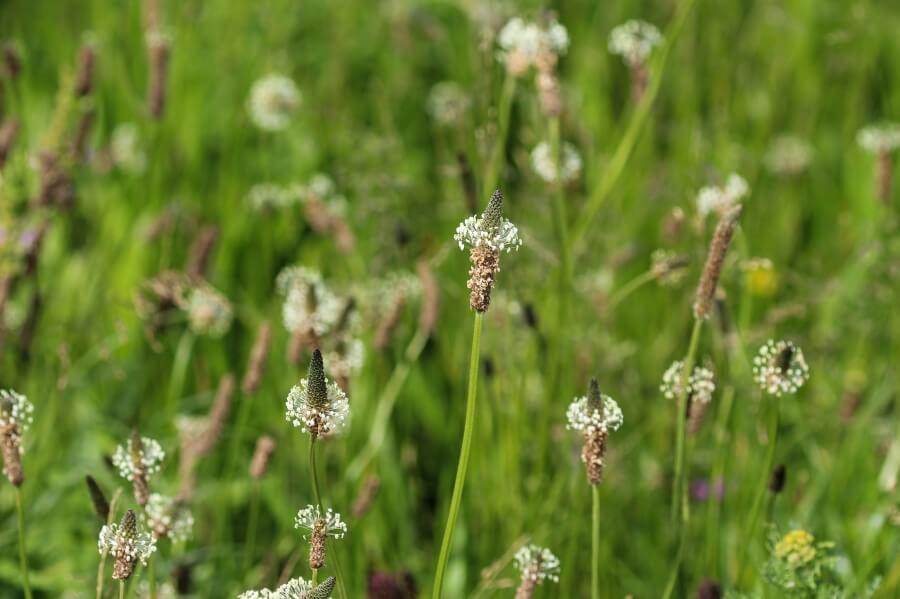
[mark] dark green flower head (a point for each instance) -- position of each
(317, 388)
(324, 590)
(128, 526)
(595, 398)
(493, 214)
(98, 499)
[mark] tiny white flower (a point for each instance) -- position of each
(329, 418)
(544, 164)
(701, 383)
(310, 518)
(150, 458)
(634, 41)
(126, 544)
(346, 359)
(583, 417)
(15, 410)
(537, 563)
(779, 367)
(273, 101)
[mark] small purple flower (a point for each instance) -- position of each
(701, 489)
(387, 585)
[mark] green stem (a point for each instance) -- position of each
(629, 288)
(459, 483)
(121, 589)
(750, 532)
(612, 170)
(714, 508)
(496, 161)
(179, 370)
(315, 475)
(680, 505)
(151, 576)
(678, 485)
(317, 493)
(252, 523)
(386, 405)
(23, 557)
(595, 543)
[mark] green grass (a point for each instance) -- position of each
(740, 74)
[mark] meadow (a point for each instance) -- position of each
(629, 270)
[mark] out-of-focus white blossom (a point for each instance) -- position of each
(209, 312)
(273, 101)
(167, 517)
(634, 40)
(308, 304)
(126, 150)
(544, 164)
(448, 103)
(522, 43)
(884, 137)
(720, 199)
(788, 155)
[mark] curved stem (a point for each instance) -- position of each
(252, 523)
(386, 405)
(595, 543)
(23, 557)
(680, 504)
(616, 165)
(459, 483)
(678, 485)
(151, 576)
(495, 164)
(629, 288)
(317, 493)
(750, 533)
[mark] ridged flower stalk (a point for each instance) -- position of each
(594, 416)
(487, 236)
(779, 368)
(703, 303)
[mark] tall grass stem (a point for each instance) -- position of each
(459, 483)
(23, 556)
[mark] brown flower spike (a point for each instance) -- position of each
(718, 248)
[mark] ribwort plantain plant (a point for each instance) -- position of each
(487, 236)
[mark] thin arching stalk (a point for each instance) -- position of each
(23, 557)
(595, 543)
(459, 483)
(750, 532)
(317, 493)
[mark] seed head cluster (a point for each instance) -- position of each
(167, 517)
(780, 368)
(594, 415)
(15, 419)
(316, 405)
(536, 564)
(634, 41)
(487, 236)
(137, 461)
(126, 544)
